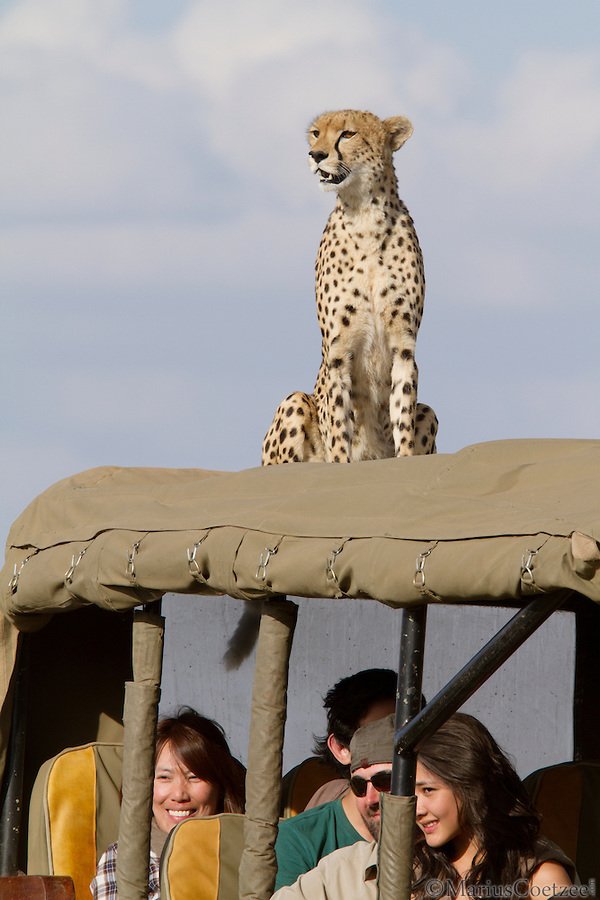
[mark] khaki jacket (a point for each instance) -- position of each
(347, 873)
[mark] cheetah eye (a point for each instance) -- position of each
(314, 133)
(348, 134)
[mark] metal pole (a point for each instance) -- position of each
(398, 808)
(477, 671)
(408, 693)
(12, 798)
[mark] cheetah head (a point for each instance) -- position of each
(349, 145)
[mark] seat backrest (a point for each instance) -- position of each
(301, 782)
(567, 796)
(201, 858)
(74, 813)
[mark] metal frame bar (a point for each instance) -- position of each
(460, 687)
(586, 734)
(12, 795)
(408, 692)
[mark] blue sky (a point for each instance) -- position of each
(159, 221)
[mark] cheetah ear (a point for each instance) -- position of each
(399, 129)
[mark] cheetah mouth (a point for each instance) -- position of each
(330, 178)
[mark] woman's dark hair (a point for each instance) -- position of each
(493, 806)
(347, 703)
(201, 746)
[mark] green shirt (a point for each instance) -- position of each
(305, 839)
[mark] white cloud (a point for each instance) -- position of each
(220, 44)
(91, 124)
(546, 124)
(253, 254)
(59, 25)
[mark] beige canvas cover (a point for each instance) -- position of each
(496, 521)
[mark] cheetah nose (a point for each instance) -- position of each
(317, 155)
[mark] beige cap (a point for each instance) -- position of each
(373, 743)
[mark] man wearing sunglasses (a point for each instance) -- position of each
(351, 871)
(307, 838)
(371, 770)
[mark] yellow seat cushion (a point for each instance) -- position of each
(201, 858)
(74, 813)
(72, 816)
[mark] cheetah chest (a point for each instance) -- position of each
(369, 298)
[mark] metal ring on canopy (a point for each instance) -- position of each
(14, 581)
(419, 579)
(192, 561)
(74, 563)
(263, 561)
(527, 576)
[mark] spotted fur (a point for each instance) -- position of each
(370, 288)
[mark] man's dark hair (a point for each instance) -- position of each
(347, 703)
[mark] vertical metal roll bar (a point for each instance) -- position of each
(395, 858)
(11, 802)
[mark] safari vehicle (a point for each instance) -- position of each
(508, 523)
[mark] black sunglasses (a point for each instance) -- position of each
(381, 781)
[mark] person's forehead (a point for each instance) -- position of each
(168, 760)
(368, 771)
(424, 776)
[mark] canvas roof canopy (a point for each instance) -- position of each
(494, 522)
(498, 522)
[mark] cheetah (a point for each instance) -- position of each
(369, 289)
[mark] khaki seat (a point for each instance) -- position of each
(567, 796)
(74, 813)
(301, 782)
(201, 858)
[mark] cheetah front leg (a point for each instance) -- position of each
(403, 397)
(294, 434)
(340, 414)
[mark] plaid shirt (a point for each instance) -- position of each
(104, 885)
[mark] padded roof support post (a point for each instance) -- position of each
(258, 866)
(398, 807)
(139, 718)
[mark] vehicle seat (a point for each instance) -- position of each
(568, 798)
(301, 782)
(201, 858)
(74, 813)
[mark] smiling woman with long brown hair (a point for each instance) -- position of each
(476, 825)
